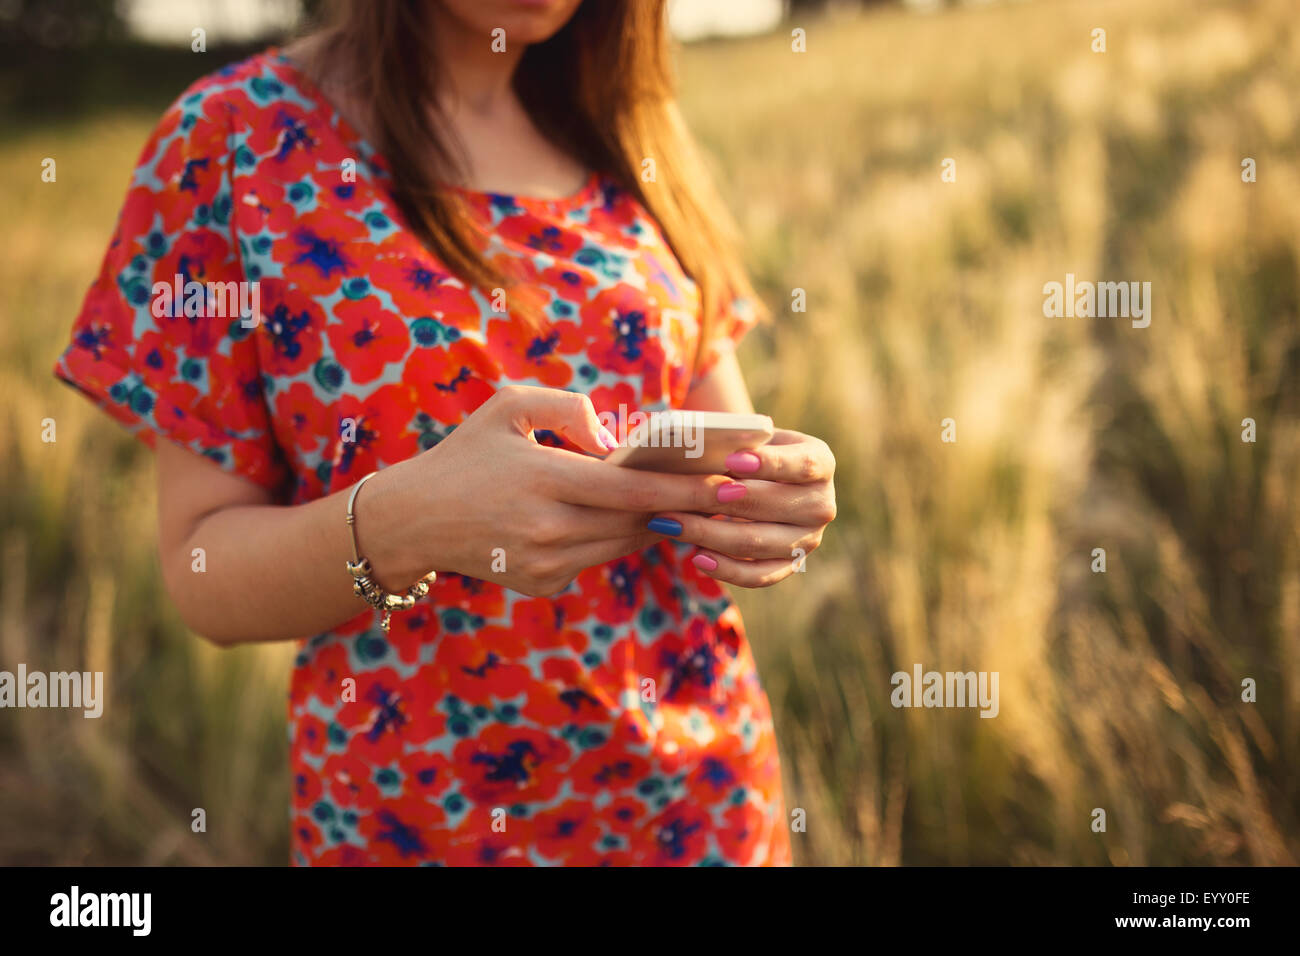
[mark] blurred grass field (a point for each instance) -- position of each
(1119, 691)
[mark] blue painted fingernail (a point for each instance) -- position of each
(665, 526)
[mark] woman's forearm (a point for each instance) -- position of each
(250, 571)
(722, 390)
(488, 502)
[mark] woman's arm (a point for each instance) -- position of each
(722, 390)
(487, 493)
(241, 569)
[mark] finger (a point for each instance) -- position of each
(746, 574)
(748, 540)
(562, 525)
(570, 414)
(809, 506)
(789, 457)
(584, 524)
(594, 553)
(581, 480)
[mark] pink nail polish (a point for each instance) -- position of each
(731, 491)
(743, 461)
(704, 562)
(607, 438)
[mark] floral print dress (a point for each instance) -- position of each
(618, 722)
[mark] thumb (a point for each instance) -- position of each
(571, 414)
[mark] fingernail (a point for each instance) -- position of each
(665, 526)
(607, 438)
(743, 461)
(704, 562)
(731, 491)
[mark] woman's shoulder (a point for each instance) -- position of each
(225, 121)
(257, 84)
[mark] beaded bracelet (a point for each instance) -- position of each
(365, 587)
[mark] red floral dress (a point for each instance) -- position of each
(618, 722)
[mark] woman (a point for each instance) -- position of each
(463, 230)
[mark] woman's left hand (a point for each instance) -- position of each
(774, 512)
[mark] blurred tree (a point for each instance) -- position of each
(62, 58)
(56, 24)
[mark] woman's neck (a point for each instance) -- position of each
(475, 73)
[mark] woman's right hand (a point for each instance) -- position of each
(490, 502)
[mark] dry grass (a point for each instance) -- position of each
(1119, 690)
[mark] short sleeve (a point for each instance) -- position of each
(732, 325)
(160, 342)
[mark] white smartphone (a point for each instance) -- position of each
(690, 442)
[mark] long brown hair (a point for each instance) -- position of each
(600, 88)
